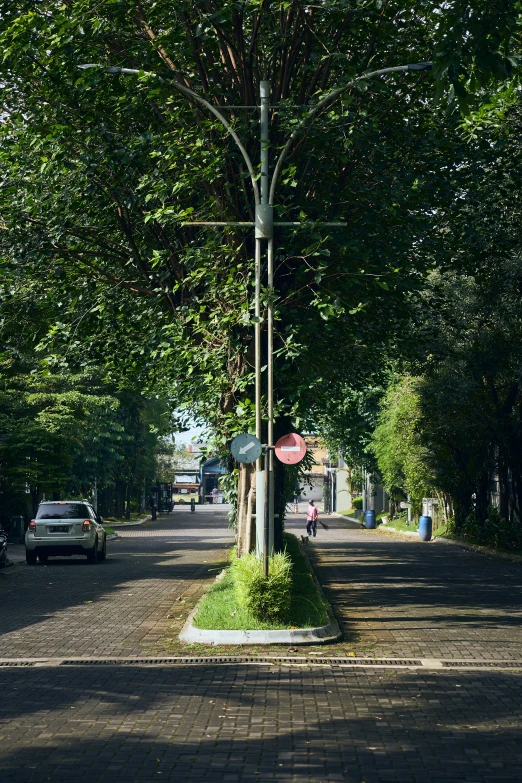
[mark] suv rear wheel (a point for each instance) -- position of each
(92, 554)
(103, 554)
(30, 557)
(43, 557)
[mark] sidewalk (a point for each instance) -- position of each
(400, 597)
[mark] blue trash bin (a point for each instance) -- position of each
(425, 528)
(369, 519)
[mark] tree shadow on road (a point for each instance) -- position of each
(216, 722)
(138, 576)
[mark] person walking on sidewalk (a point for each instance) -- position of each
(311, 519)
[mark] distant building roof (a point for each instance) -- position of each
(213, 465)
(195, 448)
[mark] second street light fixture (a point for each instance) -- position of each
(264, 233)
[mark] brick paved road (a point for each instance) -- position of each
(255, 723)
(247, 723)
(120, 607)
(399, 596)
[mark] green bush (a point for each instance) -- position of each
(267, 599)
(357, 503)
(495, 532)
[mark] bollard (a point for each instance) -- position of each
(192, 504)
(425, 528)
(369, 519)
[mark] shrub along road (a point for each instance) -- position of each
(261, 721)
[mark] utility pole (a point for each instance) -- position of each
(264, 232)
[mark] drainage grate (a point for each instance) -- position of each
(152, 661)
(482, 664)
(239, 660)
(282, 660)
(366, 661)
(17, 664)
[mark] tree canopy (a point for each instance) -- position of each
(100, 174)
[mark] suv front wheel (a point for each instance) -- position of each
(92, 554)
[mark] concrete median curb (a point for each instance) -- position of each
(321, 634)
(127, 524)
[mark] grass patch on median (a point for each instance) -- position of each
(219, 609)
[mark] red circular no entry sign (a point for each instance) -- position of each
(290, 449)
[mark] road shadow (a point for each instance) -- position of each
(396, 585)
(244, 723)
(33, 594)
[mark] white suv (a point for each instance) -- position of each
(65, 527)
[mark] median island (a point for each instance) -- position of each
(244, 607)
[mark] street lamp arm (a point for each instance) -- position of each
(330, 98)
(193, 95)
(190, 93)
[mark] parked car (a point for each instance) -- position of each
(65, 527)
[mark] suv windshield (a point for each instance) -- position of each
(63, 511)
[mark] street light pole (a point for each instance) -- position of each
(264, 230)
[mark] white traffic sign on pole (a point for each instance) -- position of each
(246, 448)
(290, 449)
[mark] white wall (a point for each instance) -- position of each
(316, 492)
(344, 496)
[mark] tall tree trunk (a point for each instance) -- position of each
(503, 485)
(482, 499)
(246, 509)
(128, 509)
(119, 498)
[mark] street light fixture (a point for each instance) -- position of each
(425, 66)
(264, 232)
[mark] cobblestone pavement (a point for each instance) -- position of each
(395, 595)
(257, 723)
(69, 608)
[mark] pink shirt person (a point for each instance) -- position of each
(311, 514)
(311, 519)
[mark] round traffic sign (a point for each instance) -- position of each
(290, 449)
(246, 448)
